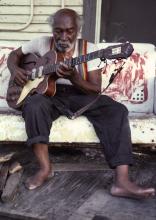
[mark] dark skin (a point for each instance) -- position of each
(65, 30)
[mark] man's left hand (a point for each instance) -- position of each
(64, 71)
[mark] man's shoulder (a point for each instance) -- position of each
(42, 39)
(39, 45)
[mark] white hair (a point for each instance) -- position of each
(69, 12)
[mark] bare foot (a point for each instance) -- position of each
(38, 179)
(131, 190)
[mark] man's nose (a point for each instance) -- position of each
(64, 36)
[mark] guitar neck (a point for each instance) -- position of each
(120, 51)
(51, 68)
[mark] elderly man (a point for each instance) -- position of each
(75, 87)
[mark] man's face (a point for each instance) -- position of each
(65, 33)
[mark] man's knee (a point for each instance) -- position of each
(122, 108)
(109, 101)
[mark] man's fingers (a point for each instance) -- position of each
(21, 78)
(65, 67)
(59, 74)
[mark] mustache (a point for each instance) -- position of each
(65, 44)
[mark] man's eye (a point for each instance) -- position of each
(70, 31)
(57, 31)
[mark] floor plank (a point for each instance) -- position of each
(3, 176)
(78, 167)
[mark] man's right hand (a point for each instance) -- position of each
(20, 76)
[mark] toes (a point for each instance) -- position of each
(36, 181)
(151, 192)
(32, 183)
(135, 194)
(32, 186)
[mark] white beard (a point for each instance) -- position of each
(64, 46)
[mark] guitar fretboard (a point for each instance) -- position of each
(51, 68)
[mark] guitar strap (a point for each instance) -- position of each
(52, 44)
(82, 50)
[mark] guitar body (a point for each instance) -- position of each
(45, 84)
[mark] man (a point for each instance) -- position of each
(108, 117)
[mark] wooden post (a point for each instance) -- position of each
(89, 16)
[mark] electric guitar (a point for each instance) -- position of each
(42, 79)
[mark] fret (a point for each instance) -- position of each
(78, 60)
(88, 57)
(68, 62)
(73, 61)
(83, 58)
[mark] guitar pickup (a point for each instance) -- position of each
(40, 72)
(36, 73)
(33, 74)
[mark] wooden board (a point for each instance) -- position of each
(40, 2)
(14, 215)
(11, 187)
(15, 14)
(3, 176)
(24, 10)
(78, 167)
(6, 157)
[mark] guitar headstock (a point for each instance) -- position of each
(119, 51)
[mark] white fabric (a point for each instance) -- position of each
(41, 46)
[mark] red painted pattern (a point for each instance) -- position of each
(4, 73)
(131, 83)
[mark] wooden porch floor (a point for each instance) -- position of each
(80, 191)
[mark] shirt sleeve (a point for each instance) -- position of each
(38, 46)
(93, 64)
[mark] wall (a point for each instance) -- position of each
(14, 14)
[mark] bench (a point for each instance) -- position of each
(134, 87)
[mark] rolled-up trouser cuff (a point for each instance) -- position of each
(38, 139)
(113, 163)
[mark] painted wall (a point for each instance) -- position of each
(134, 86)
(14, 14)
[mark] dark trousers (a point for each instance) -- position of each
(109, 118)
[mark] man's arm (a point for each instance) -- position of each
(19, 74)
(91, 86)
